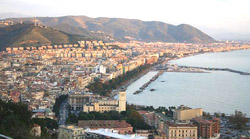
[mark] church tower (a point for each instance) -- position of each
(122, 100)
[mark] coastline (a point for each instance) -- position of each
(141, 75)
(167, 61)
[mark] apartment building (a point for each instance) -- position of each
(183, 113)
(207, 128)
(180, 131)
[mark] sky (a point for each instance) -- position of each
(211, 16)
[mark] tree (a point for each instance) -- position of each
(217, 115)
(16, 122)
(104, 89)
(239, 120)
(223, 115)
(206, 114)
(130, 115)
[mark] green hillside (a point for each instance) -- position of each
(30, 35)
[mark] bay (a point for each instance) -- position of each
(218, 91)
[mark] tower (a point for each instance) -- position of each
(122, 100)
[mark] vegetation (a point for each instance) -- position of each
(135, 119)
(16, 122)
(239, 120)
(105, 88)
(59, 101)
(130, 115)
(30, 35)
(119, 28)
(45, 125)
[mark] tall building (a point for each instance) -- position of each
(122, 100)
(183, 113)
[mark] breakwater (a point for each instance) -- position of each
(218, 69)
(149, 82)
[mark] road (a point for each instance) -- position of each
(63, 114)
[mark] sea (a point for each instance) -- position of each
(215, 91)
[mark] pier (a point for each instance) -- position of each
(193, 69)
(149, 82)
(219, 69)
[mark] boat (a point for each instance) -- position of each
(152, 89)
(137, 92)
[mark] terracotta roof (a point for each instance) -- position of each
(202, 121)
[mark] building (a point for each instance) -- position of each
(122, 100)
(100, 69)
(180, 131)
(207, 128)
(87, 102)
(76, 100)
(71, 132)
(144, 133)
(121, 126)
(183, 113)
(107, 104)
(110, 134)
(82, 82)
(160, 136)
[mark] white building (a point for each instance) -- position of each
(100, 69)
(107, 104)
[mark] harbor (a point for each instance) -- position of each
(193, 69)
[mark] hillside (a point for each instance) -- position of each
(123, 29)
(30, 35)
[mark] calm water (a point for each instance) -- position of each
(237, 60)
(217, 91)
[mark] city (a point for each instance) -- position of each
(39, 75)
(67, 76)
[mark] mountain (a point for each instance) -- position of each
(123, 29)
(31, 35)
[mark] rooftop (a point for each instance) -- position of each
(71, 127)
(112, 134)
(103, 124)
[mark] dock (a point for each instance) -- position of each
(149, 82)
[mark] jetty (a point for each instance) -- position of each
(194, 69)
(218, 69)
(149, 82)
